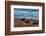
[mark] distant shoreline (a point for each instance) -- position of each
(26, 18)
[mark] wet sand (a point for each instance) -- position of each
(22, 22)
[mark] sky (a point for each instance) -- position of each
(26, 13)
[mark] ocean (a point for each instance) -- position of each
(26, 13)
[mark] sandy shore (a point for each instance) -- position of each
(22, 22)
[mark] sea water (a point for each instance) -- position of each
(26, 13)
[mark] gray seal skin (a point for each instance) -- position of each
(27, 22)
